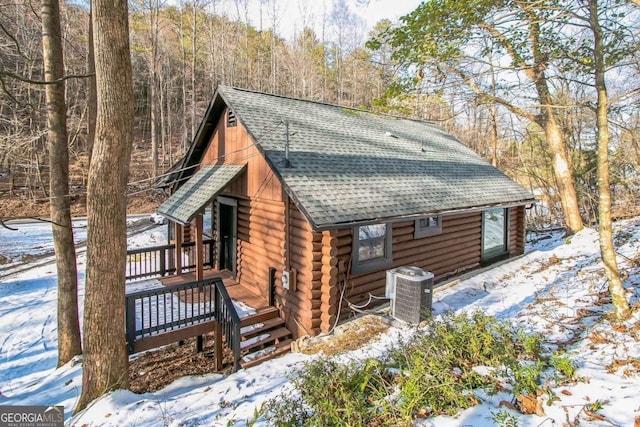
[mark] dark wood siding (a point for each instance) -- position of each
(233, 146)
(260, 243)
(302, 303)
(516, 230)
(455, 250)
(325, 285)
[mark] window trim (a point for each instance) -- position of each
(360, 267)
(496, 255)
(420, 232)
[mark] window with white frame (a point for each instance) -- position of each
(495, 233)
(371, 247)
(427, 226)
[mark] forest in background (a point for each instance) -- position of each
(181, 51)
(547, 90)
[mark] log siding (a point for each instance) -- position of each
(260, 243)
(272, 232)
(457, 249)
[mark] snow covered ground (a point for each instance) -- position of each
(556, 289)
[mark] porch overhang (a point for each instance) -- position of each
(198, 191)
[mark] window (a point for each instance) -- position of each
(231, 118)
(427, 226)
(494, 233)
(371, 248)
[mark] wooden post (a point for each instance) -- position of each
(163, 264)
(199, 248)
(178, 251)
(218, 343)
(130, 322)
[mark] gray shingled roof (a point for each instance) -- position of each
(198, 191)
(350, 166)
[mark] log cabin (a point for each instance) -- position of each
(312, 203)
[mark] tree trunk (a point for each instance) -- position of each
(493, 113)
(68, 323)
(547, 121)
(620, 305)
(154, 12)
(155, 129)
(183, 50)
(194, 29)
(553, 134)
(105, 365)
(92, 96)
(554, 138)
(562, 172)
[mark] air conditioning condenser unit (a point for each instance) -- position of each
(411, 292)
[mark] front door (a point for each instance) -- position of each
(227, 213)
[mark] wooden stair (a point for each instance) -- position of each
(263, 337)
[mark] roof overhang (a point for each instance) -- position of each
(198, 192)
(410, 217)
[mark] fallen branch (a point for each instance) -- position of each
(2, 222)
(6, 226)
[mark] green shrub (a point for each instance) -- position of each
(337, 395)
(526, 377)
(431, 374)
(594, 406)
(531, 344)
(563, 366)
(283, 411)
(504, 419)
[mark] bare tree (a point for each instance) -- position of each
(68, 323)
(185, 137)
(523, 33)
(105, 365)
(92, 96)
(194, 53)
(274, 16)
(154, 80)
(607, 251)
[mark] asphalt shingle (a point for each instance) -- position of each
(198, 191)
(349, 165)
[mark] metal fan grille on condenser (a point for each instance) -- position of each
(411, 291)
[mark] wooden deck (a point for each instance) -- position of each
(185, 307)
(236, 291)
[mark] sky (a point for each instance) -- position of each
(292, 12)
(556, 289)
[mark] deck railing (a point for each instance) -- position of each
(154, 314)
(160, 260)
(229, 321)
(170, 308)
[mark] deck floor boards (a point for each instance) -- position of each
(236, 291)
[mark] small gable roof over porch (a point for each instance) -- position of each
(347, 166)
(198, 192)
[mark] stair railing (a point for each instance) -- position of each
(229, 321)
